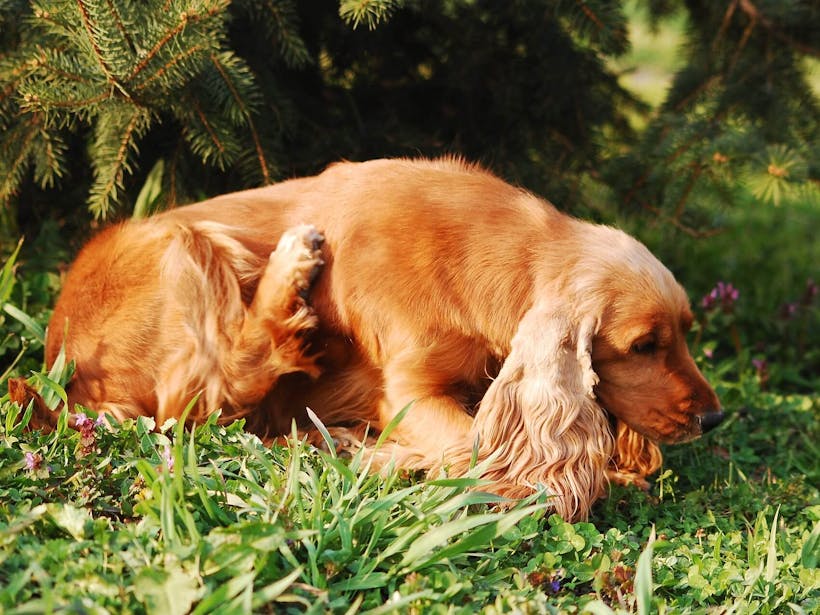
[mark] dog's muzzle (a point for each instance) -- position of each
(710, 420)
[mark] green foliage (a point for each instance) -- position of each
(120, 69)
(256, 90)
(227, 95)
(24, 313)
(740, 113)
(176, 521)
(368, 12)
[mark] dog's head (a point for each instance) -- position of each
(604, 337)
(647, 378)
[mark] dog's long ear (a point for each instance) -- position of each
(635, 457)
(540, 413)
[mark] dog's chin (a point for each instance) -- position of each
(692, 431)
(697, 426)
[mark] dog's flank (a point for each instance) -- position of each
(556, 344)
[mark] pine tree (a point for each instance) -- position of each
(740, 112)
(187, 98)
(117, 70)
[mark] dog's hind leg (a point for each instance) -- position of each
(231, 353)
(270, 341)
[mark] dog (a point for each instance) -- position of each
(550, 349)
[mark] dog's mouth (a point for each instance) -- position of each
(695, 427)
(700, 425)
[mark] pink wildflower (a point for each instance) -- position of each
(33, 461)
(788, 311)
(723, 295)
(88, 433)
(812, 290)
(762, 369)
(168, 458)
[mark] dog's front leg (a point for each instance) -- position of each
(434, 422)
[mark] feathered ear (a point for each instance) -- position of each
(635, 457)
(539, 417)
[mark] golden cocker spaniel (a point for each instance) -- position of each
(553, 348)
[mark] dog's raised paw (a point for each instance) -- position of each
(299, 253)
(292, 269)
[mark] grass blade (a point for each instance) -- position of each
(393, 424)
(643, 577)
(422, 551)
(31, 325)
(810, 554)
(331, 446)
(7, 274)
(771, 553)
(271, 592)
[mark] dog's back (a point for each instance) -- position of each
(399, 235)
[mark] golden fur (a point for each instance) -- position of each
(557, 345)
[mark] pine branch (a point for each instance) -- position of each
(688, 230)
(171, 63)
(240, 102)
(755, 15)
(49, 159)
(21, 66)
(15, 162)
(591, 15)
(601, 22)
(369, 12)
(684, 197)
(209, 129)
(92, 38)
(116, 137)
(186, 19)
(281, 22)
(212, 140)
(120, 25)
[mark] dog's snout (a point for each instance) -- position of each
(710, 420)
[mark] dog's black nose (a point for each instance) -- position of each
(710, 420)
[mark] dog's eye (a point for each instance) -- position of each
(645, 346)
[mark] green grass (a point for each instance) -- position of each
(128, 519)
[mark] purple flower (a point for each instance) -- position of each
(708, 353)
(723, 295)
(88, 433)
(555, 586)
(33, 461)
(762, 370)
(168, 458)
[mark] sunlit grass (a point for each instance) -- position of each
(126, 518)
